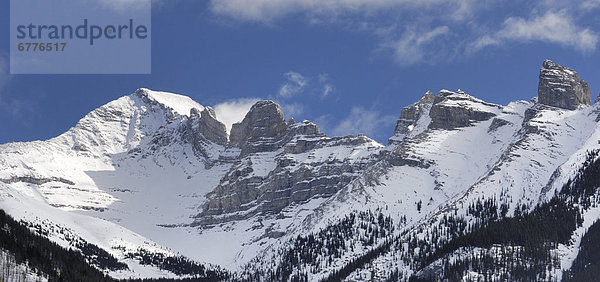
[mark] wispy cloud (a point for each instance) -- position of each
(233, 111)
(294, 109)
(319, 85)
(271, 10)
(555, 27)
(411, 25)
(364, 121)
(327, 89)
(293, 85)
(411, 48)
(430, 31)
(326, 86)
(590, 4)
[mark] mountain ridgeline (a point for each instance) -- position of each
(154, 186)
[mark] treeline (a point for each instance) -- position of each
(520, 247)
(39, 253)
(339, 275)
(548, 224)
(357, 232)
(10, 270)
(586, 266)
(583, 190)
(515, 248)
(92, 254)
(50, 260)
(487, 244)
(178, 265)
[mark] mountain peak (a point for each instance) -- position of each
(206, 124)
(413, 119)
(427, 98)
(264, 120)
(561, 87)
(458, 109)
(548, 64)
(179, 104)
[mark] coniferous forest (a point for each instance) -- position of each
(515, 248)
(526, 240)
(48, 258)
(56, 263)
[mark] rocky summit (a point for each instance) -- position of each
(561, 87)
(458, 109)
(260, 130)
(409, 116)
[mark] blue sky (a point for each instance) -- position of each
(348, 65)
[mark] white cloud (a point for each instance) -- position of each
(294, 84)
(411, 48)
(271, 10)
(233, 111)
(429, 31)
(555, 27)
(363, 121)
(484, 41)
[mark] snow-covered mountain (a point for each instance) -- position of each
(154, 177)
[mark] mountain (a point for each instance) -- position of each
(152, 185)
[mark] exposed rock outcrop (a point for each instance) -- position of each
(202, 130)
(306, 169)
(561, 87)
(260, 130)
(305, 166)
(452, 110)
(209, 126)
(409, 117)
(497, 123)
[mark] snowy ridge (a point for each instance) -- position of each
(179, 103)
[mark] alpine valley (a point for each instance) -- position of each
(153, 185)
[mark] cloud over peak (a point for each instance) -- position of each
(233, 111)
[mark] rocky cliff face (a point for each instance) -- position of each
(281, 165)
(452, 110)
(203, 129)
(260, 130)
(561, 87)
(408, 124)
(204, 125)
